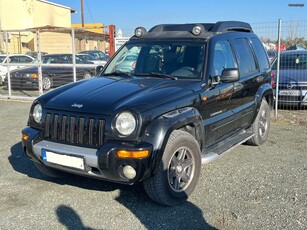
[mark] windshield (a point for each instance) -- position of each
(2, 59)
(58, 59)
(292, 61)
(152, 59)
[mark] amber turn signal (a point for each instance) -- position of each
(25, 136)
(34, 76)
(132, 153)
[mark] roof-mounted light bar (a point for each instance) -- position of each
(140, 31)
(197, 30)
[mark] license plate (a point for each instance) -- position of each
(62, 159)
(290, 93)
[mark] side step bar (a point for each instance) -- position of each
(225, 146)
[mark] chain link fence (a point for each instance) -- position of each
(28, 80)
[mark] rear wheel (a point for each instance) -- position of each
(261, 125)
(178, 171)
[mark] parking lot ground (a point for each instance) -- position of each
(261, 187)
(4, 92)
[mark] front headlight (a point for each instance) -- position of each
(125, 123)
(37, 113)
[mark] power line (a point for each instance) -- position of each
(89, 11)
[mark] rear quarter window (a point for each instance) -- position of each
(246, 59)
(260, 53)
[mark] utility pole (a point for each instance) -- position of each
(82, 13)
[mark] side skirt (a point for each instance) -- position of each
(225, 146)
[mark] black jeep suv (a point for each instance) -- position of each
(194, 92)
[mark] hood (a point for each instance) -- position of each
(24, 70)
(102, 95)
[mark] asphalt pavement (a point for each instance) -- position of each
(250, 188)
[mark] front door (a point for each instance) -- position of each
(216, 107)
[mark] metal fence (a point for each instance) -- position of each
(22, 79)
(289, 81)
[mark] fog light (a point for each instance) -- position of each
(129, 172)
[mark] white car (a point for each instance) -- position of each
(13, 59)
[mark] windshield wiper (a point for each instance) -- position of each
(117, 73)
(160, 75)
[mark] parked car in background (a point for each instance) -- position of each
(55, 75)
(13, 59)
(34, 54)
(126, 63)
(296, 47)
(98, 54)
(90, 59)
(272, 55)
(292, 78)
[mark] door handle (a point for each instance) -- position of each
(259, 78)
(237, 87)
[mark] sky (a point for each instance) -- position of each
(129, 14)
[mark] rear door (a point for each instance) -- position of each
(243, 98)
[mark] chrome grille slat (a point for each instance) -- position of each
(100, 132)
(47, 125)
(63, 128)
(81, 130)
(90, 131)
(74, 129)
(54, 133)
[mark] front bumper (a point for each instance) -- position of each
(101, 163)
(23, 83)
(292, 100)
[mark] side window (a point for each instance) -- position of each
(260, 54)
(24, 59)
(222, 57)
(14, 59)
(245, 56)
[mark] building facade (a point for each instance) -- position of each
(27, 24)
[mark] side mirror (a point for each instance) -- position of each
(230, 75)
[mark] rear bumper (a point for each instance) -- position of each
(101, 163)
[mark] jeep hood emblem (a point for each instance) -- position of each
(77, 105)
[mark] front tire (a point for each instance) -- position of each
(178, 171)
(47, 83)
(261, 125)
(87, 75)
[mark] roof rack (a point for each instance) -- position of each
(221, 26)
(224, 26)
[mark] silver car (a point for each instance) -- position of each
(292, 78)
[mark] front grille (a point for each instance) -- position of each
(284, 86)
(290, 98)
(74, 129)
